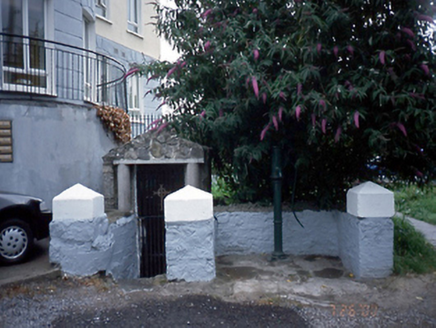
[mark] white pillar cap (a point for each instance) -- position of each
(188, 204)
(78, 203)
(370, 200)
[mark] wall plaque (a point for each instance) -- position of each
(6, 151)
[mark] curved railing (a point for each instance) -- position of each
(44, 67)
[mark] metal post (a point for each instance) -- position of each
(276, 178)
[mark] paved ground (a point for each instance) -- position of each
(249, 291)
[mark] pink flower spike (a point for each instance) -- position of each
(131, 71)
(408, 31)
(402, 128)
(298, 112)
(203, 113)
(319, 48)
(419, 174)
(207, 46)
(171, 71)
(313, 119)
(264, 97)
(206, 13)
(356, 119)
(276, 124)
(382, 56)
(280, 113)
(350, 50)
(424, 67)
(323, 125)
(247, 81)
(336, 51)
(163, 126)
(338, 133)
(299, 89)
(182, 64)
(282, 95)
(255, 86)
(264, 131)
(322, 103)
(425, 18)
(221, 113)
(256, 54)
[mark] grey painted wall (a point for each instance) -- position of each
(55, 146)
(365, 245)
(86, 247)
(253, 233)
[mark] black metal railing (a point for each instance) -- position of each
(141, 123)
(44, 67)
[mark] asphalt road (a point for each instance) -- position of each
(186, 311)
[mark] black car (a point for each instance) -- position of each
(22, 219)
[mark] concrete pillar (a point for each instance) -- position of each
(78, 231)
(190, 235)
(83, 242)
(124, 190)
(366, 233)
(192, 177)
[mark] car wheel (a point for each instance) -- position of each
(16, 239)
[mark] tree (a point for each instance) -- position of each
(342, 86)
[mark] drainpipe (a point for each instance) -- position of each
(276, 178)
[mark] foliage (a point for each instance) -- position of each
(116, 120)
(334, 83)
(417, 202)
(222, 194)
(412, 253)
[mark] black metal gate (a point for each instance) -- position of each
(154, 182)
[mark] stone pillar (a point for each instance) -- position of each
(124, 190)
(366, 233)
(190, 227)
(79, 231)
(192, 177)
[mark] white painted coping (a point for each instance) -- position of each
(188, 204)
(369, 200)
(78, 203)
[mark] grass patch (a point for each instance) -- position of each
(412, 253)
(417, 202)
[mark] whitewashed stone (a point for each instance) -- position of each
(78, 203)
(188, 204)
(370, 200)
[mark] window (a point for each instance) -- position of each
(24, 56)
(133, 93)
(133, 18)
(101, 8)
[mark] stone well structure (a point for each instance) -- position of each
(152, 148)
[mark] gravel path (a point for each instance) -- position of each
(98, 302)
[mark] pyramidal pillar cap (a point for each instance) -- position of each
(78, 203)
(369, 200)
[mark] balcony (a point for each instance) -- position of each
(32, 66)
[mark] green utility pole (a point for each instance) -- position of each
(276, 178)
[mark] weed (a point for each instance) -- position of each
(412, 253)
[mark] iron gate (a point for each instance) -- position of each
(154, 182)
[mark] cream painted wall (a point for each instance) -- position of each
(115, 29)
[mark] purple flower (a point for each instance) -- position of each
(356, 119)
(323, 125)
(255, 86)
(382, 57)
(256, 54)
(298, 112)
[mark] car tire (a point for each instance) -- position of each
(16, 240)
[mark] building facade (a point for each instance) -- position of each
(59, 59)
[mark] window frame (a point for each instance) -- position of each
(134, 9)
(46, 72)
(103, 6)
(134, 87)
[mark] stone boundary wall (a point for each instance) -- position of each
(253, 233)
